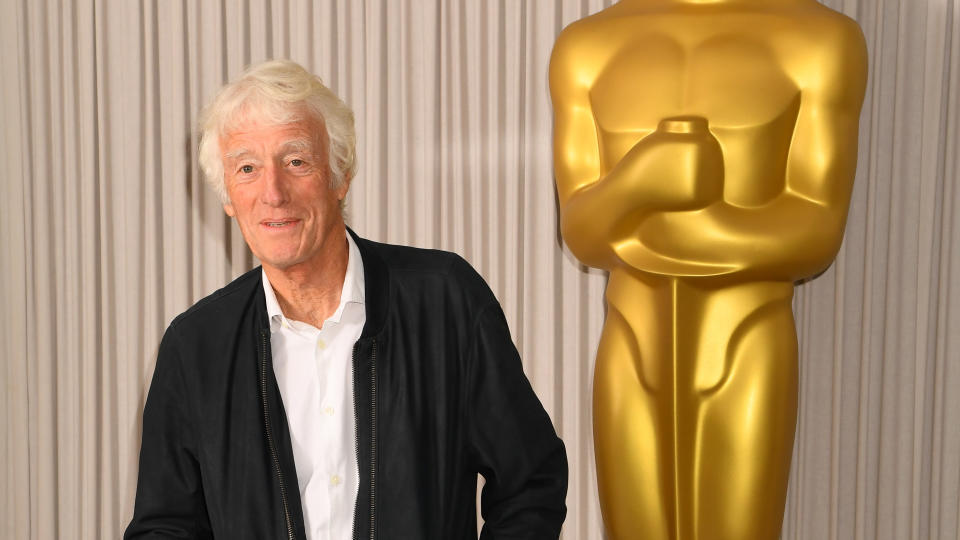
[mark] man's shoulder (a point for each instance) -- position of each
(226, 301)
(400, 258)
(407, 265)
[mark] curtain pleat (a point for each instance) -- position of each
(108, 232)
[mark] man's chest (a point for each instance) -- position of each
(313, 368)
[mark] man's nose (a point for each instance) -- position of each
(274, 192)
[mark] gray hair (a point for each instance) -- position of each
(276, 90)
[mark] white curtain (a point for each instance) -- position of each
(108, 232)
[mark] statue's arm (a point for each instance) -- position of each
(600, 205)
(798, 233)
(576, 154)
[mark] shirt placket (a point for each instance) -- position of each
(326, 417)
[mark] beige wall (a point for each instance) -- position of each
(107, 233)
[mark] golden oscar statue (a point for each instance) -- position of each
(705, 152)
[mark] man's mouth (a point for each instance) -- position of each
(277, 224)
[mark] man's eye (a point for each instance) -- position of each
(246, 169)
(296, 162)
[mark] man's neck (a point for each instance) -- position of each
(310, 291)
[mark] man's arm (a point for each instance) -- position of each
(170, 501)
(511, 439)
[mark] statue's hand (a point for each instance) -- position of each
(677, 167)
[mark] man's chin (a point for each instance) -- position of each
(279, 262)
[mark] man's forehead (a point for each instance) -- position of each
(249, 115)
(254, 138)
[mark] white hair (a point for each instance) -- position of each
(277, 91)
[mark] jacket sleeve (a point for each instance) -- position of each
(512, 440)
(170, 501)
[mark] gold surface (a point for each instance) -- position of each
(705, 154)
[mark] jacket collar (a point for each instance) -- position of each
(376, 285)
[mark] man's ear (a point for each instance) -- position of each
(342, 190)
(228, 208)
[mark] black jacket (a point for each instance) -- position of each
(439, 392)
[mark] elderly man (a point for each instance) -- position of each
(346, 388)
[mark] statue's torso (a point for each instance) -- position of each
(743, 72)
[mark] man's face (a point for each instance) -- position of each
(276, 178)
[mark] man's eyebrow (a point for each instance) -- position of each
(296, 145)
(293, 145)
(238, 152)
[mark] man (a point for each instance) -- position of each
(346, 387)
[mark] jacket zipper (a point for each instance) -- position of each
(265, 338)
(356, 437)
(373, 438)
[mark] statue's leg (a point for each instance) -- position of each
(746, 428)
(628, 423)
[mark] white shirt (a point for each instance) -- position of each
(314, 372)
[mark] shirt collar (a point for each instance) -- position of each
(352, 291)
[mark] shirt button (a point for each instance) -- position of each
(321, 344)
(334, 480)
(328, 411)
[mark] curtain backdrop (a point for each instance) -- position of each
(108, 232)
